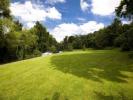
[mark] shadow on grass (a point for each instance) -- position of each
(95, 66)
(57, 96)
(119, 96)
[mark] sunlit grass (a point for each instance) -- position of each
(78, 75)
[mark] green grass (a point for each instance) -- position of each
(78, 75)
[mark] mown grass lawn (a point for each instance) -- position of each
(78, 75)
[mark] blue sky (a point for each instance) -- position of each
(65, 17)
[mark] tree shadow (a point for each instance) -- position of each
(95, 66)
(119, 96)
(56, 96)
(1, 97)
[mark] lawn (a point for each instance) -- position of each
(77, 75)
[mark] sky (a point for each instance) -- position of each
(65, 17)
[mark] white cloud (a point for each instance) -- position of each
(53, 13)
(104, 7)
(30, 24)
(68, 29)
(65, 29)
(126, 22)
(30, 13)
(81, 19)
(55, 1)
(84, 5)
(91, 26)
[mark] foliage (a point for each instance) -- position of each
(53, 49)
(8, 40)
(84, 47)
(125, 9)
(16, 43)
(70, 47)
(45, 40)
(4, 8)
(127, 43)
(114, 35)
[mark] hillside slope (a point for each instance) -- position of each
(78, 75)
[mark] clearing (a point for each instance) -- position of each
(77, 75)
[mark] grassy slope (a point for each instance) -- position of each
(79, 75)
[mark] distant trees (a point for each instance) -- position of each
(16, 43)
(42, 35)
(53, 49)
(106, 37)
(44, 39)
(114, 35)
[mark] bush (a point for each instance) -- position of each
(130, 55)
(53, 49)
(84, 48)
(125, 47)
(108, 48)
(70, 47)
(37, 53)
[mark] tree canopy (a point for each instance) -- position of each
(4, 8)
(125, 9)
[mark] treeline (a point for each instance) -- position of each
(115, 35)
(17, 43)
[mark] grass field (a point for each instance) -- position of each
(78, 75)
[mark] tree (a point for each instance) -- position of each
(18, 26)
(125, 9)
(43, 37)
(127, 43)
(65, 43)
(70, 47)
(90, 40)
(51, 41)
(8, 40)
(71, 39)
(77, 44)
(4, 8)
(27, 47)
(103, 38)
(53, 49)
(17, 44)
(84, 48)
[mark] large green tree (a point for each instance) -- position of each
(8, 40)
(4, 8)
(42, 35)
(125, 9)
(44, 40)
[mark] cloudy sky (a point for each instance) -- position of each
(65, 17)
